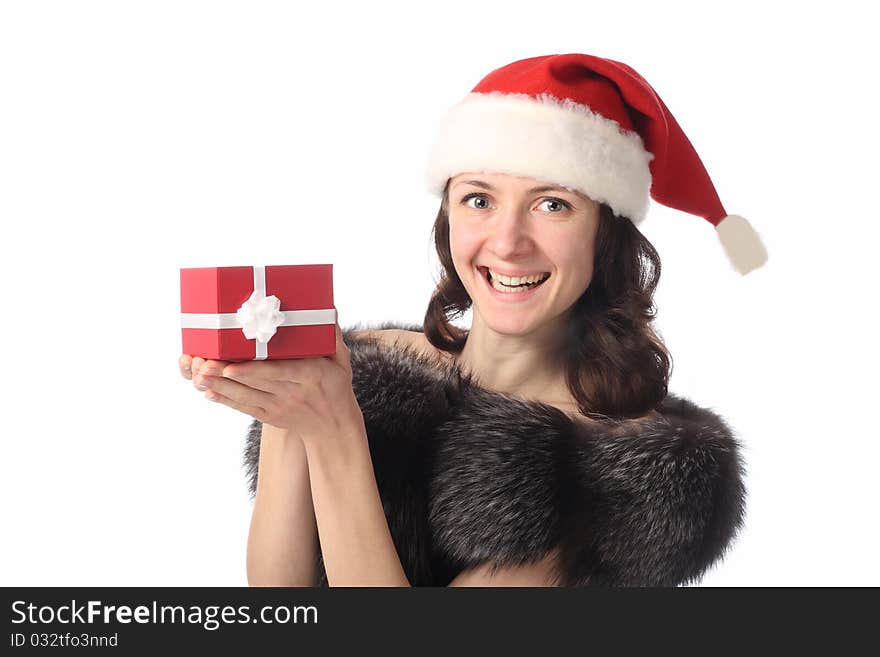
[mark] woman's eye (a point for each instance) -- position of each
(557, 202)
(478, 197)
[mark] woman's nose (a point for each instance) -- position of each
(510, 232)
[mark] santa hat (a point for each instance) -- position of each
(593, 125)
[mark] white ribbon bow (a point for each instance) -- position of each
(260, 316)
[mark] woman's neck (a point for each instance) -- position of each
(524, 366)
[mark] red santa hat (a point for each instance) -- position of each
(593, 125)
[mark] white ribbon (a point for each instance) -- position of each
(259, 317)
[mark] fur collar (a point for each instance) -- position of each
(468, 475)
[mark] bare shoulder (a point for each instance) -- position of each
(390, 337)
(570, 407)
(385, 336)
(420, 344)
(414, 341)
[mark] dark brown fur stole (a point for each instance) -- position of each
(467, 475)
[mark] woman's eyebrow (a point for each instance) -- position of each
(533, 190)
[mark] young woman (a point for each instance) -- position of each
(540, 447)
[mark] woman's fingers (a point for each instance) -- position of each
(191, 366)
(297, 370)
(241, 395)
(254, 411)
(252, 372)
(263, 376)
(206, 375)
(185, 364)
(200, 367)
(213, 367)
(196, 364)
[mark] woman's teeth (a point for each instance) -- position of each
(515, 283)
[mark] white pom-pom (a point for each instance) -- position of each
(742, 244)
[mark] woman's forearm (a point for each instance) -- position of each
(283, 538)
(356, 543)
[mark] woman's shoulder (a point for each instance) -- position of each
(418, 343)
(392, 337)
(386, 336)
(413, 341)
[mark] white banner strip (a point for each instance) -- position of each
(229, 320)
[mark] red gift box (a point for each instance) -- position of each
(257, 313)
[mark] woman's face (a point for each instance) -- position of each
(502, 223)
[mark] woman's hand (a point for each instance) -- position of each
(310, 397)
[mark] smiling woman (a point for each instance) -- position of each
(540, 446)
(600, 275)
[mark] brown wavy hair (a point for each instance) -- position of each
(616, 366)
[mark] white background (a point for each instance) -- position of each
(140, 137)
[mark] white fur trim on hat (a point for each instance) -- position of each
(555, 140)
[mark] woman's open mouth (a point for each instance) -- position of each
(513, 289)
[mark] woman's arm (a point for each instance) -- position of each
(320, 447)
(283, 541)
(356, 543)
